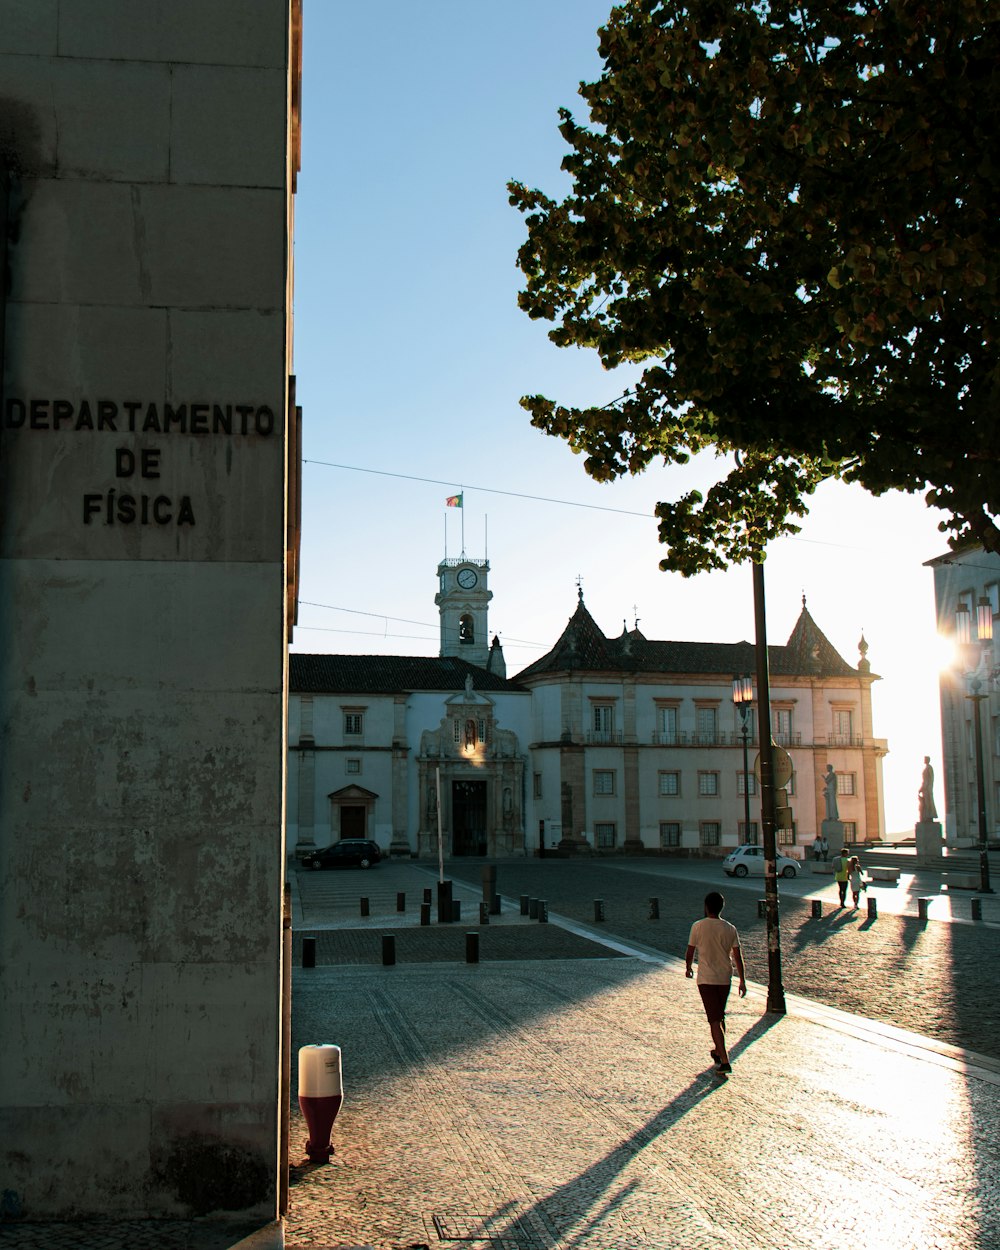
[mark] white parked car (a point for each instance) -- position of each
(748, 861)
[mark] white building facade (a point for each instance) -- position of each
(604, 744)
(966, 577)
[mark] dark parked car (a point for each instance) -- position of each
(349, 851)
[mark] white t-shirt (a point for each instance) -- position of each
(713, 939)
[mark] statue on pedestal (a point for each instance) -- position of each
(830, 793)
(925, 795)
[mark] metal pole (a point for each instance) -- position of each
(775, 989)
(984, 859)
(746, 782)
(437, 784)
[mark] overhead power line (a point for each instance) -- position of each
(489, 490)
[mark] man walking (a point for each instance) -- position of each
(718, 947)
(841, 872)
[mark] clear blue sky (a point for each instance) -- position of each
(411, 355)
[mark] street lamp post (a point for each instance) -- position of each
(984, 633)
(775, 988)
(743, 698)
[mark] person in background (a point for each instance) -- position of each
(841, 873)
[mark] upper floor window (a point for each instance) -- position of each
(603, 720)
(708, 784)
(466, 628)
(781, 725)
(746, 783)
(847, 783)
(354, 723)
(707, 724)
(353, 767)
(666, 722)
(843, 723)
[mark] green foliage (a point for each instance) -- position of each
(788, 214)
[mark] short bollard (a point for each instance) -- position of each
(654, 909)
(525, 901)
(364, 907)
(425, 913)
(472, 948)
(598, 909)
(456, 909)
(401, 901)
(388, 950)
(484, 913)
(495, 905)
(543, 911)
(922, 905)
(308, 952)
(872, 908)
(428, 895)
(817, 909)
(321, 1093)
(762, 907)
(977, 909)
(444, 902)
(533, 908)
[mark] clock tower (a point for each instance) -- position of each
(462, 599)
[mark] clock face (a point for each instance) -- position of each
(467, 578)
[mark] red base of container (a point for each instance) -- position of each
(320, 1114)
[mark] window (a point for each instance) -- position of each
(843, 723)
(354, 724)
(746, 783)
(353, 766)
(846, 783)
(670, 833)
(536, 786)
(604, 836)
(670, 784)
(786, 837)
(708, 784)
(707, 724)
(850, 831)
(666, 723)
(781, 725)
(709, 833)
(604, 781)
(466, 629)
(749, 834)
(456, 730)
(603, 721)
(992, 592)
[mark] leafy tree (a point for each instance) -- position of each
(788, 214)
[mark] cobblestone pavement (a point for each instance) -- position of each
(933, 977)
(571, 1105)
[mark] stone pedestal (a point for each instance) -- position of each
(833, 831)
(930, 841)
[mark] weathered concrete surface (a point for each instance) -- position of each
(142, 604)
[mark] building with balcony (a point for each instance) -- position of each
(604, 744)
(962, 580)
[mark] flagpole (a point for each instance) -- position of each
(461, 507)
(446, 533)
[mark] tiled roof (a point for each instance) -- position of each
(388, 674)
(583, 647)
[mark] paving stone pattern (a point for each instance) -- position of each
(570, 1105)
(932, 977)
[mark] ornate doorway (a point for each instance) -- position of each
(468, 814)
